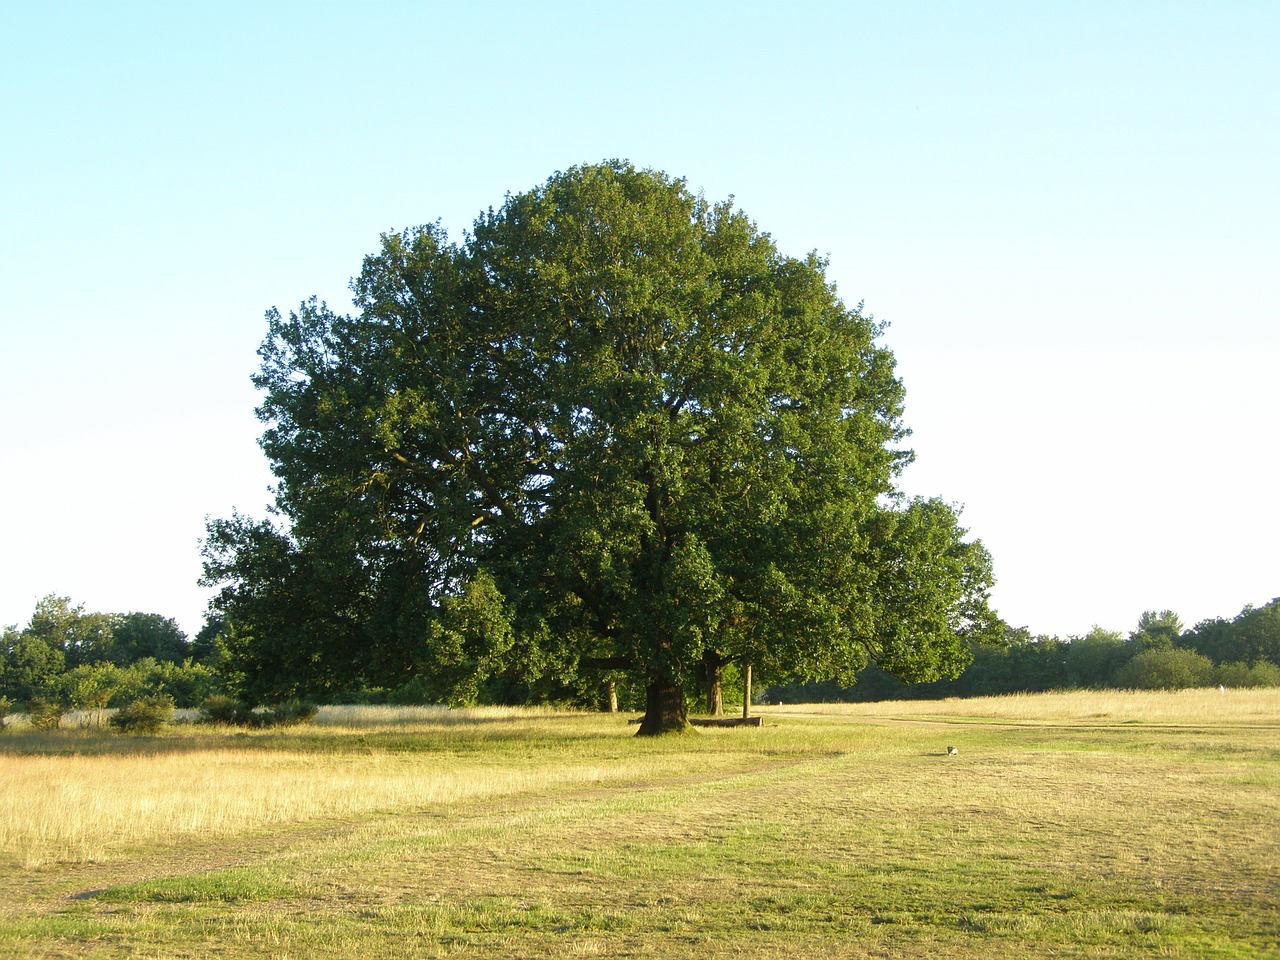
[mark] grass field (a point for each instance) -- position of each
(1068, 825)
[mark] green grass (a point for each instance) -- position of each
(1054, 832)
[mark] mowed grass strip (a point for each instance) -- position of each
(839, 835)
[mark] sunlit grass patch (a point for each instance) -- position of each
(237, 885)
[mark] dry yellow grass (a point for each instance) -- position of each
(79, 805)
(1249, 706)
(399, 718)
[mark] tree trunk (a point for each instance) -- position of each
(715, 696)
(609, 697)
(664, 709)
(746, 690)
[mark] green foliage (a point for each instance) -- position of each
(1093, 659)
(1240, 674)
(1023, 663)
(5, 706)
(93, 660)
(144, 716)
(1165, 668)
(187, 683)
(293, 713)
(1251, 636)
(412, 693)
(465, 640)
(45, 714)
(1019, 663)
(1232, 675)
(139, 636)
(1257, 633)
(94, 687)
(1156, 630)
(613, 430)
(223, 710)
(29, 666)
(79, 636)
(1264, 673)
(210, 643)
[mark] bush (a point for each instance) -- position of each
(223, 710)
(294, 713)
(1232, 674)
(146, 715)
(411, 693)
(188, 683)
(229, 712)
(5, 705)
(1167, 668)
(1264, 673)
(44, 714)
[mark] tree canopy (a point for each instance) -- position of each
(614, 429)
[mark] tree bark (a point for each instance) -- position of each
(746, 690)
(715, 695)
(664, 709)
(609, 697)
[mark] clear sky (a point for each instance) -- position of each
(1069, 213)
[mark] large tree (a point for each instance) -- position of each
(615, 429)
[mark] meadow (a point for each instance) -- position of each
(1100, 824)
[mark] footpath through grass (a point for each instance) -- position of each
(1073, 825)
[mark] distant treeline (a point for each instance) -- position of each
(90, 661)
(68, 658)
(1158, 654)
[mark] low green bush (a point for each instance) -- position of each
(293, 713)
(411, 693)
(224, 711)
(1170, 668)
(227, 711)
(145, 715)
(44, 714)
(1264, 673)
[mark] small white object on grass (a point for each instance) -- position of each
(952, 751)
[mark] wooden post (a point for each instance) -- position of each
(746, 691)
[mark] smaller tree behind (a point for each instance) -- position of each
(81, 637)
(29, 666)
(141, 635)
(1156, 630)
(1093, 659)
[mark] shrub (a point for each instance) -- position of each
(5, 705)
(1166, 668)
(1232, 674)
(412, 693)
(224, 710)
(1264, 673)
(293, 713)
(230, 712)
(44, 714)
(145, 715)
(188, 683)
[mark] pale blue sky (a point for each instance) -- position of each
(1068, 212)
